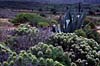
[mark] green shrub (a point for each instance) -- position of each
(90, 23)
(54, 22)
(80, 32)
(89, 32)
(30, 18)
(49, 51)
(22, 38)
(43, 24)
(27, 59)
(80, 48)
(4, 53)
(25, 29)
(92, 34)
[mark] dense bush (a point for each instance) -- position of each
(4, 53)
(25, 36)
(25, 29)
(93, 34)
(80, 32)
(82, 51)
(89, 31)
(38, 55)
(89, 22)
(30, 18)
(49, 51)
(21, 37)
(43, 24)
(75, 51)
(27, 59)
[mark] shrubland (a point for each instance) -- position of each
(82, 51)
(25, 36)
(28, 45)
(89, 31)
(32, 19)
(38, 55)
(61, 49)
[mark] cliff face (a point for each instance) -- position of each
(59, 1)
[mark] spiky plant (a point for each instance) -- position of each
(4, 52)
(49, 51)
(28, 59)
(78, 47)
(26, 36)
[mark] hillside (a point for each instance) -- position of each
(59, 1)
(18, 4)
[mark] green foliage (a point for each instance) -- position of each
(49, 51)
(73, 64)
(22, 38)
(80, 32)
(75, 51)
(25, 29)
(4, 52)
(25, 36)
(54, 22)
(30, 18)
(27, 59)
(91, 34)
(5, 64)
(79, 48)
(43, 24)
(88, 22)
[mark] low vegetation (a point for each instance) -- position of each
(82, 51)
(32, 19)
(30, 44)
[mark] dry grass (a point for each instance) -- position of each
(94, 17)
(4, 22)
